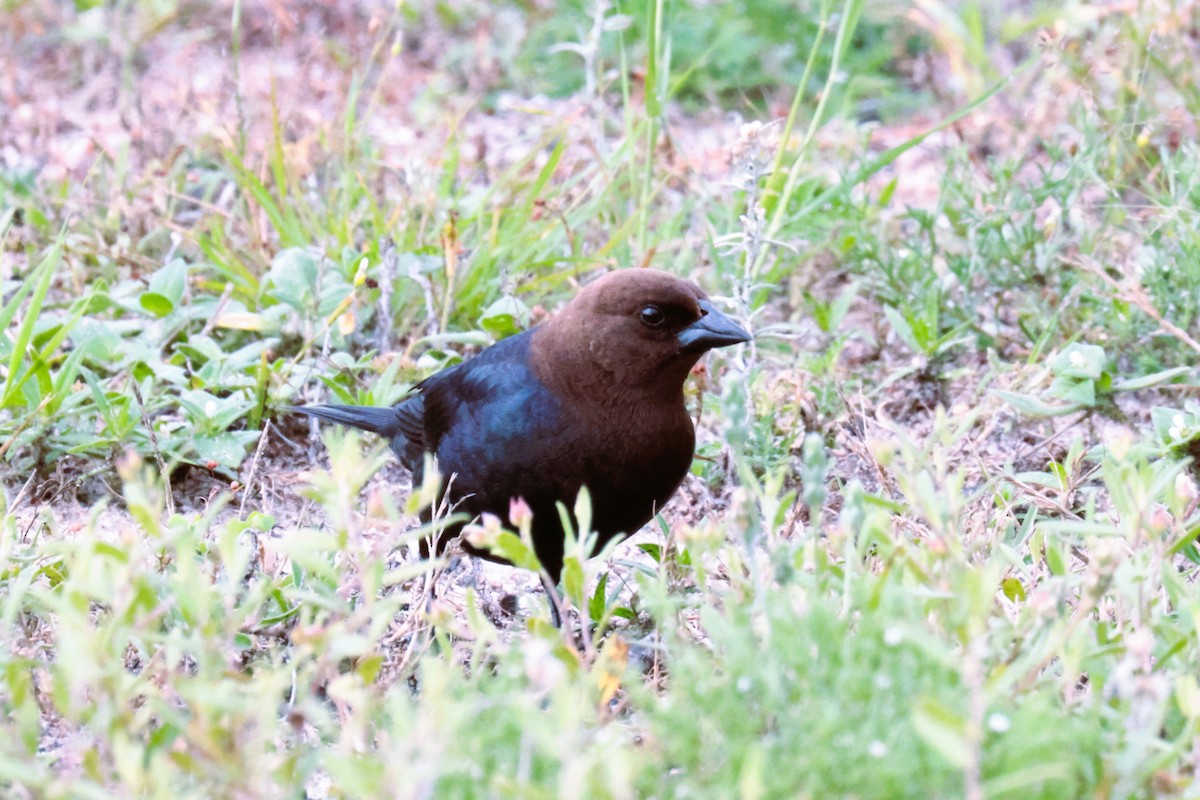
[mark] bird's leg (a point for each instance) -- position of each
(558, 607)
(483, 590)
(555, 600)
(431, 588)
(476, 578)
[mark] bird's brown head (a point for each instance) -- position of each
(634, 330)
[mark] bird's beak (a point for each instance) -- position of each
(713, 329)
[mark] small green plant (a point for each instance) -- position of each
(1178, 429)
(1081, 381)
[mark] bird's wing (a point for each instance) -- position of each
(410, 418)
(491, 421)
(409, 440)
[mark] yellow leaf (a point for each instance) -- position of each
(610, 667)
(242, 321)
(342, 308)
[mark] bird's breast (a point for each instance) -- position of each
(637, 468)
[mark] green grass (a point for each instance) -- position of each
(941, 538)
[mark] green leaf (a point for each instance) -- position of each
(1079, 361)
(1146, 381)
(368, 667)
(1013, 589)
(166, 288)
(1081, 528)
(293, 278)
(1187, 695)
(1172, 425)
(282, 214)
(572, 578)
(1033, 407)
(311, 553)
(506, 316)
(1036, 478)
(509, 546)
(1077, 392)
(653, 549)
(160, 738)
(903, 329)
(1055, 560)
(40, 281)
(156, 304)
(98, 340)
(599, 598)
(583, 512)
(943, 730)
(226, 449)
(885, 196)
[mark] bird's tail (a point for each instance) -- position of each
(376, 420)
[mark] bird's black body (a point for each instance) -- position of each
(584, 399)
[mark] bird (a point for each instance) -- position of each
(593, 396)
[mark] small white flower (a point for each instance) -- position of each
(999, 722)
(877, 749)
(210, 409)
(893, 636)
(1185, 488)
(1077, 359)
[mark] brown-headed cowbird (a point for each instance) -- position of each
(591, 397)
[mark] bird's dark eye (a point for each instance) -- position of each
(652, 316)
